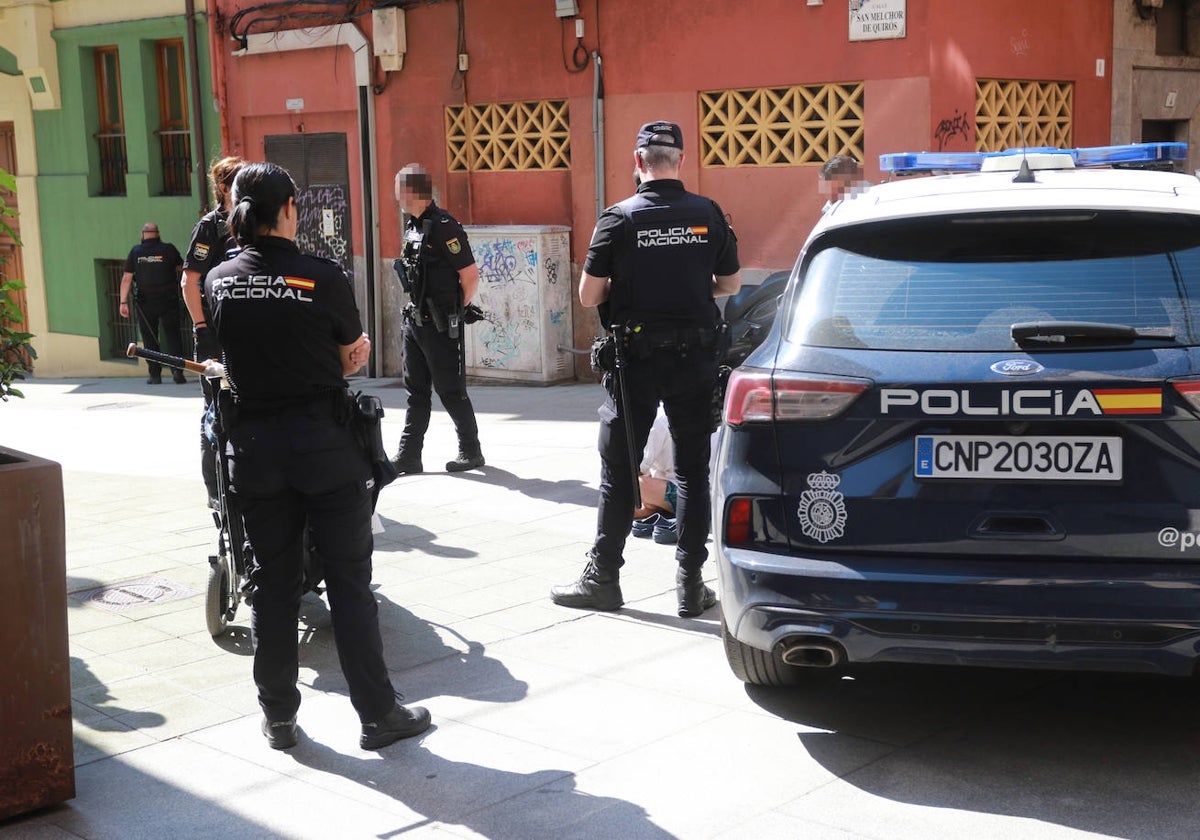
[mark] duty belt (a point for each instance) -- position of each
(681, 339)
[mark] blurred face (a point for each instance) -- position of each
(412, 201)
(835, 188)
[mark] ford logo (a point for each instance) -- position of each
(1017, 367)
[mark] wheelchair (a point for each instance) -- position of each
(229, 569)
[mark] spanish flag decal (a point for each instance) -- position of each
(1129, 400)
(699, 230)
(300, 283)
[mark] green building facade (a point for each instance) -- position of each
(120, 151)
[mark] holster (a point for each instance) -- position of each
(438, 316)
(227, 412)
(604, 354)
(368, 431)
(403, 273)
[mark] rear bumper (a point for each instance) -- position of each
(1018, 613)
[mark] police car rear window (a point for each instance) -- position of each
(961, 284)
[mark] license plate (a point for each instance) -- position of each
(1034, 458)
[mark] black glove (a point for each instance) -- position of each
(206, 343)
(472, 313)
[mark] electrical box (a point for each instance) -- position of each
(525, 293)
(566, 8)
(389, 37)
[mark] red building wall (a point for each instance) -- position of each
(919, 92)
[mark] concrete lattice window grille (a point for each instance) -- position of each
(1001, 107)
(508, 136)
(781, 126)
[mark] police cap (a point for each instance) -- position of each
(660, 133)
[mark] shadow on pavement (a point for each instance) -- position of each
(491, 802)
(1113, 754)
(567, 492)
(476, 676)
(707, 624)
(405, 536)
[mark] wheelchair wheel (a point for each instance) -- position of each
(221, 599)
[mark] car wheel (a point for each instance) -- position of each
(760, 667)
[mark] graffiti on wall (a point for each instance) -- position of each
(523, 290)
(508, 293)
(323, 223)
(957, 126)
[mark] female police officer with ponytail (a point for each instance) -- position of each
(291, 332)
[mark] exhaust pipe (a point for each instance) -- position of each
(811, 653)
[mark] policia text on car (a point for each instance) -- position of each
(655, 263)
(290, 333)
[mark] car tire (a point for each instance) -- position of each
(760, 667)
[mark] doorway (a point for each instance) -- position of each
(319, 165)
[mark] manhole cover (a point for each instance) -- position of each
(119, 597)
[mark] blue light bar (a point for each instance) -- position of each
(1131, 153)
(929, 161)
(906, 163)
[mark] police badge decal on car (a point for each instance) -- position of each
(822, 510)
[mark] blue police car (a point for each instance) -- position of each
(972, 435)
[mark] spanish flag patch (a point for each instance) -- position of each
(300, 283)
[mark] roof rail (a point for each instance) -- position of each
(1128, 155)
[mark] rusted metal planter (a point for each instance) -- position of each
(37, 758)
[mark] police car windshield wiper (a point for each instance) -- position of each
(1062, 332)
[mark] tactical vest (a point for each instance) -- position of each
(434, 280)
(664, 274)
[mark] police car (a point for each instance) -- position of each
(973, 433)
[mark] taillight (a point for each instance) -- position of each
(756, 396)
(1189, 389)
(737, 522)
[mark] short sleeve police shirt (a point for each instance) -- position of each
(153, 264)
(282, 318)
(210, 243)
(447, 243)
(610, 235)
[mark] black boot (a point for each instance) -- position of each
(408, 458)
(694, 597)
(596, 589)
(470, 457)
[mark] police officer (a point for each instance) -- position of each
(152, 270)
(442, 279)
(655, 262)
(290, 333)
(211, 242)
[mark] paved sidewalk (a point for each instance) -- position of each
(549, 723)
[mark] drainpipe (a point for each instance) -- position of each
(218, 68)
(598, 130)
(343, 35)
(197, 114)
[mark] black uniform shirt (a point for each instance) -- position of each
(613, 253)
(153, 264)
(211, 243)
(443, 253)
(282, 318)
